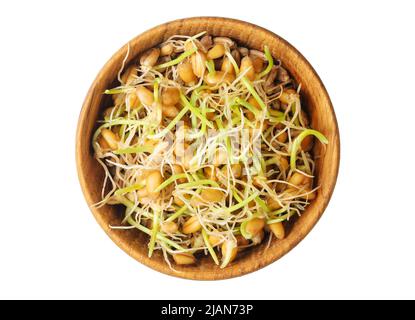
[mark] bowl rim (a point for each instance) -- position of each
(83, 116)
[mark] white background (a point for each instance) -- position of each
(50, 244)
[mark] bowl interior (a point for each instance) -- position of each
(315, 99)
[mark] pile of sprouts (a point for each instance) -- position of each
(207, 148)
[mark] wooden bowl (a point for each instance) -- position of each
(316, 100)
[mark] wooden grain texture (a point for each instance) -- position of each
(317, 102)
